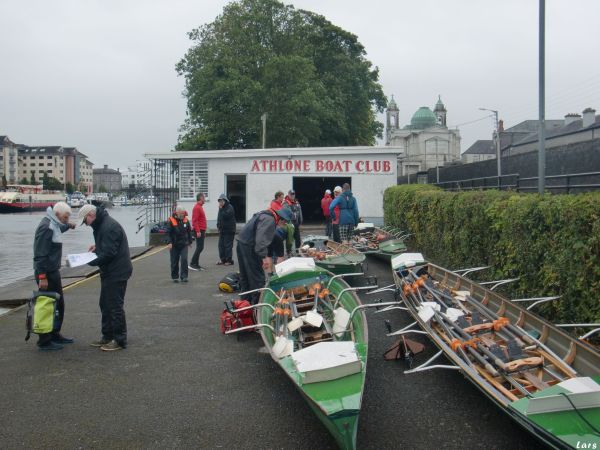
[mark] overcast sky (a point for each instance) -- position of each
(99, 75)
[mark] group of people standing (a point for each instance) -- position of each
(340, 212)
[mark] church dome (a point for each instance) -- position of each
(423, 118)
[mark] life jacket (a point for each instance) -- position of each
(174, 220)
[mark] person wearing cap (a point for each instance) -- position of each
(179, 239)
(47, 255)
(348, 212)
(291, 202)
(325, 202)
(252, 249)
(199, 225)
(114, 261)
(226, 227)
(335, 218)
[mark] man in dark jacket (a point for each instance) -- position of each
(252, 249)
(47, 255)
(226, 227)
(292, 203)
(114, 262)
(179, 239)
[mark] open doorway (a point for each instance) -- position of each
(309, 192)
(236, 193)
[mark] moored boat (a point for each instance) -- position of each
(315, 329)
(545, 379)
(22, 198)
(332, 256)
(377, 241)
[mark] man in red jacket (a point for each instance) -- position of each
(199, 225)
(325, 202)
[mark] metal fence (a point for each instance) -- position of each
(558, 184)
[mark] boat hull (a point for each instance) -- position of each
(559, 430)
(24, 207)
(335, 402)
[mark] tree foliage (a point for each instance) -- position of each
(261, 56)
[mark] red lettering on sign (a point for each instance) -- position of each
(319, 165)
(306, 165)
(289, 165)
(359, 165)
(272, 165)
(347, 164)
(297, 165)
(377, 166)
(386, 166)
(329, 165)
(255, 167)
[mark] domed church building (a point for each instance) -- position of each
(427, 141)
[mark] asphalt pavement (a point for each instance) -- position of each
(182, 384)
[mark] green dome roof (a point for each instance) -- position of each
(423, 118)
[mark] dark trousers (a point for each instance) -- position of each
(112, 298)
(199, 248)
(54, 285)
(252, 275)
(328, 226)
(226, 246)
(179, 255)
(297, 242)
(336, 232)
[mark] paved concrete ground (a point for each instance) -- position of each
(181, 384)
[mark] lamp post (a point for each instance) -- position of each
(497, 143)
(437, 163)
(264, 129)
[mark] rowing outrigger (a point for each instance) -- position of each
(546, 380)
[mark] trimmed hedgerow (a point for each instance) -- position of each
(551, 242)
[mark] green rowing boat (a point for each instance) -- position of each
(545, 379)
(332, 256)
(311, 319)
(378, 242)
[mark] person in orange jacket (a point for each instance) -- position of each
(179, 239)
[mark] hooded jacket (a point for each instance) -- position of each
(47, 255)
(259, 232)
(226, 218)
(112, 247)
(348, 209)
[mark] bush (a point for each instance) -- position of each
(551, 242)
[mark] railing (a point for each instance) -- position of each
(567, 183)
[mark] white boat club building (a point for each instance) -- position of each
(250, 178)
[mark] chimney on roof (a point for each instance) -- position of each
(501, 125)
(589, 117)
(571, 117)
(106, 166)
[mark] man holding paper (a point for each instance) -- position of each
(47, 255)
(114, 262)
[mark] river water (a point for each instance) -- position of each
(17, 232)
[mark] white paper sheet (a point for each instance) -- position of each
(79, 259)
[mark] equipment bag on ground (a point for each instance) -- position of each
(231, 320)
(230, 283)
(42, 313)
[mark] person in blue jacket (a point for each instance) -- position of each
(348, 209)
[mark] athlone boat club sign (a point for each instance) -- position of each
(377, 166)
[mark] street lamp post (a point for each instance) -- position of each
(498, 158)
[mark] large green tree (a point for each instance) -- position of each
(260, 56)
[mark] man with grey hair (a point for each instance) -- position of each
(47, 255)
(113, 260)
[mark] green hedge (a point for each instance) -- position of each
(551, 242)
